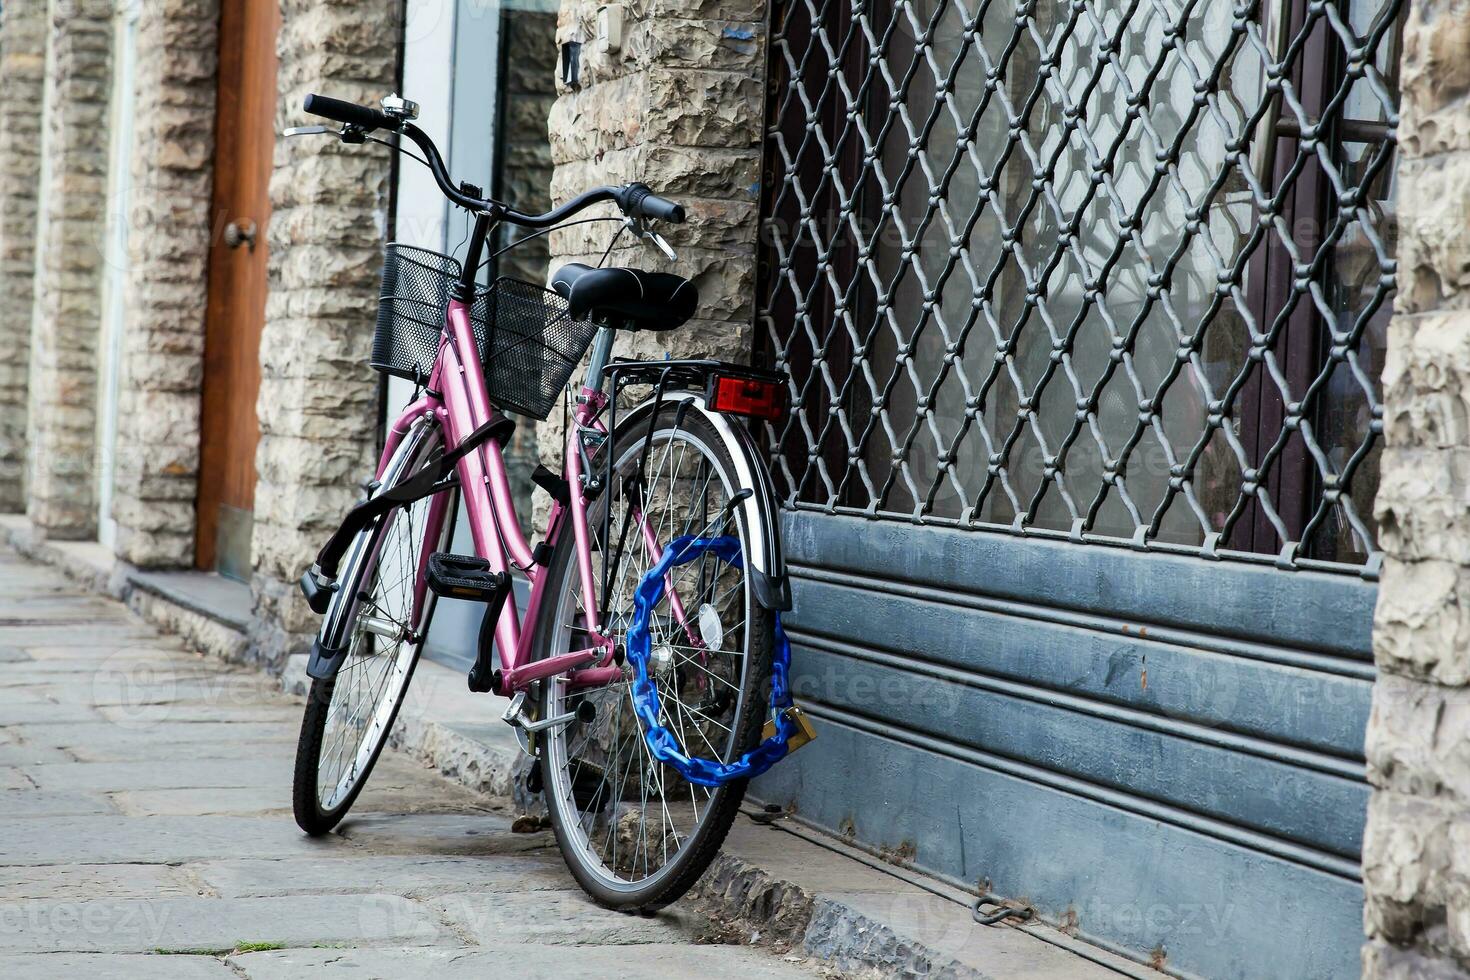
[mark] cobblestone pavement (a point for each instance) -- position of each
(147, 832)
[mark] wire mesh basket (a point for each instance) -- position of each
(413, 302)
(534, 345)
(528, 343)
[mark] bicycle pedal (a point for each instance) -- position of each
(804, 731)
(466, 577)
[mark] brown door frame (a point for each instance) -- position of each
(244, 141)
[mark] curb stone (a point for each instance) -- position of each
(784, 915)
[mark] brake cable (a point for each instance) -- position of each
(543, 231)
(397, 148)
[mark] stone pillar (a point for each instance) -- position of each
(62, 427)
(680, 108)
(1416, 853)
(22, 74)
(525, 168)
(156, 477)
(318, 397)
(529, 90)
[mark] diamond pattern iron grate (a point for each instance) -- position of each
(1111, 270)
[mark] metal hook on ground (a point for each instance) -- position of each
(1000, 915)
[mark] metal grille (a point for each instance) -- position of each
(1113, 270)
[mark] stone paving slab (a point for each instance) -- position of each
(74, 882)
(410, 875)
(143, 716)
(30, 754)
(80, 674)
(17, 803)
(226, 801)
(117, 747)
(441, 834)
(395, 795)
(562, 918)
(24, 635)
(151, 647)
(15, 778)
(77, 607)
(179, 925)
(48, 713)
(49, 966)
(161, 773)
(155, 840)
(130, 686)
(108, 742)
(525, 962)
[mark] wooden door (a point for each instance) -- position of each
(245, 139)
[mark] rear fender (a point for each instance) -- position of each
(766, 560)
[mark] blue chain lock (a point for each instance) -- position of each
(661, 741)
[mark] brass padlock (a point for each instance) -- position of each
(804, 731)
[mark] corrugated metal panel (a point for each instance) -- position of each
(1167, 749)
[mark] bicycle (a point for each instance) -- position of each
(652, 630)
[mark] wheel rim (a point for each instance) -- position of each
(627, 818)
(384, 638)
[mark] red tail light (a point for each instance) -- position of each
(748, 396)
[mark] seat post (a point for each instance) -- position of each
(601, 351)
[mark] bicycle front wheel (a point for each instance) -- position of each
(635, 835)
(349, 717)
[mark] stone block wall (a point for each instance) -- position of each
(1416, 855)
(22, 75)
(318, 401)
(680, 108)
(62, 423)
(156, 478)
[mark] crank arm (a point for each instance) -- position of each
(517, 717)
(585, 712)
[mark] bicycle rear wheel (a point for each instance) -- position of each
(349, 717)
(635, 835)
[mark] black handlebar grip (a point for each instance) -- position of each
(662, 209)
(640, 202)
(363, 117)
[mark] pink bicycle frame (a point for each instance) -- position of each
(457, 403)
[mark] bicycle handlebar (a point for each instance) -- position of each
(635, 200)
(363, 117)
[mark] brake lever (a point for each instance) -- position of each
(663, 246)
(347, 134)
(640, 228)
